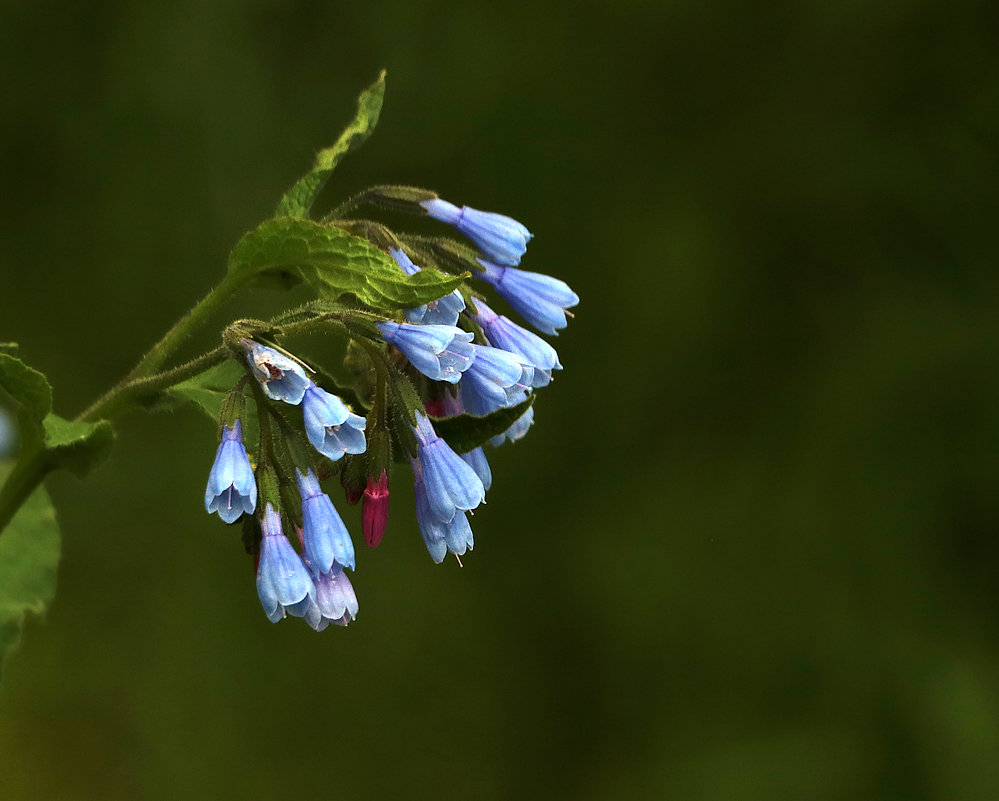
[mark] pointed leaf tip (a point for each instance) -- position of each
(298, 200)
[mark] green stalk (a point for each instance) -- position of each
(23, 480)
(184, 327)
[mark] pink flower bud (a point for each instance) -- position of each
(374, 512)
(353, 495)
(434, 407)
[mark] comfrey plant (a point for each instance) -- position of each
(427, 374)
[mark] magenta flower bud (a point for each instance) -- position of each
(374, 512)
(353, 495)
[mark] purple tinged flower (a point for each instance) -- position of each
(283, 582)
(231, 489)
(440, 352)
(330, 426)
(439, 536)
(502, 332)
(538, 298)
(335, 600)
(280, 377)
(516, 431)
(443, 311)
(502, 239)
(452, 487)
(497, 379)
(325, 539)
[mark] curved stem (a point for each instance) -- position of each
(184, 327)
(23, 480)
(110, 402)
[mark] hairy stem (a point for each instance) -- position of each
(23, 480)
(112, 401)
(183, 328)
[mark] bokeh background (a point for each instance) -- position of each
(750, 548)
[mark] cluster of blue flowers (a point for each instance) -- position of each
(477, 378)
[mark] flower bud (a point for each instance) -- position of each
(374, 512)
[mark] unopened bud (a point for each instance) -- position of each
(374, 512)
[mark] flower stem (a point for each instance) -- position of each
(143, 381)
(184, 327)
(23, 480)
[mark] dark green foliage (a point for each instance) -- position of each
(464, 432)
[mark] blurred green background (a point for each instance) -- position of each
(749, 551)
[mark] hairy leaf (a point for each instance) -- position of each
(298, 200)
(31, 391)
(335, 263)
(29, 555)
(77, 446)
(207, 391)
(464, 432)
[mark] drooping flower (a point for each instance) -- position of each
(440, 352)
(280, 377)
(443, 311)
(231, 489)
(497, 379)
(324, 536)
(335, 599)
(451, 484)
(538, 298)
(476, 459)
(502, 332)
(502, 239)
(283, 582)
(516, 431)
(439, 536)
(449, 406)
(375, 510)
(330, 426)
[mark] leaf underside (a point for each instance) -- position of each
(29, 556)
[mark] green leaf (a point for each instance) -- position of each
(464, 432)
(298, 200)
(77, 446)
(67, 444)
(30, 389)
(29, 555)
(335, 263)
(207, 391)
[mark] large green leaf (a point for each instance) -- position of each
(464, 432)
(335, 263)
(298, 200)
(29, 555)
